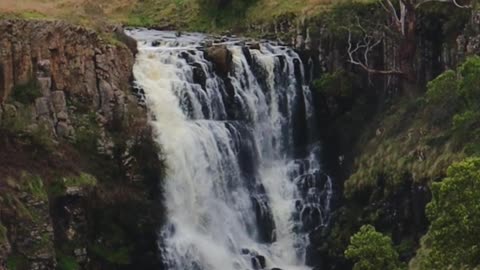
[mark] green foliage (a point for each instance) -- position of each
(87, 132)
(439, 21)
(452, 241)
(26, 93)
(338, 83)
(224, 12)
(116, 250)
(17, 262)
(82, 180)
(443, 98)
(372, 251)
(443, 88)
(464, 125)
(67, 263)
(357, 17)
(33, 185)
(470, 84)
(116, 255)
(20, 124)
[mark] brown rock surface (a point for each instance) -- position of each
(67, 58)
(221, 58)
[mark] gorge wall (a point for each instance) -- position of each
(79, 170)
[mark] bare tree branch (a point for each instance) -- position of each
(367, 44)
(403, 19)
(455, 2)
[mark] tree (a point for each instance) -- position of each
(372, 250)
(400, 23)
(453, 239)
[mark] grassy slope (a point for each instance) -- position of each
(184, 14)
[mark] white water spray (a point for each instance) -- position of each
(232, 187)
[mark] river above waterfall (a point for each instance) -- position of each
(244, 183)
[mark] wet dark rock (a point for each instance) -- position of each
(264, 217)
(254, 46)
(199, 75)
(245, 251)
(258, 262)
(156, 43)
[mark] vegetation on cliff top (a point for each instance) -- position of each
(198, 15)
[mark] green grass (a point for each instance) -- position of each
(33, 185)
(403, 143)
(82, 180)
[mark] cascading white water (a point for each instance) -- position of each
(235, 197)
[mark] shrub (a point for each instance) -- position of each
(470, 84)
(442, 98)
(372, 250)
(454, 212)
(443, 88)
(27, 93)
(67, 263)
(338, 83)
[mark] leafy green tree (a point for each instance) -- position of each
(443, 98)
(372, 250)
(453, 240)
(470, 84)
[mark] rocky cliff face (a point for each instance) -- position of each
(77, 156)
(359, 126)
(66, 62)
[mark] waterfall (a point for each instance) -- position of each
(239, 194)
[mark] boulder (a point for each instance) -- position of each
(259, 262)
(221, 58)
(254, 46)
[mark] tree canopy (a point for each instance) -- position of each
(452, 241)
(372, 250)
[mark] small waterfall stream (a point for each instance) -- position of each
(238, 193)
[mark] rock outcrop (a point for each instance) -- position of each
(221, 58)
(69, 121)
(65, 61)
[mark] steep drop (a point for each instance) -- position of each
(239, 194)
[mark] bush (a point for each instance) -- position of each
(338, 83)
(27, 93)
(443, 88)
(454, 212)
(470, 85)
(442, 98)
(372, 250)
(67, 263)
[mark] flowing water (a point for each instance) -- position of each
(244, 185)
